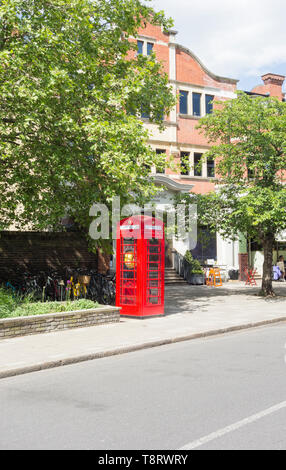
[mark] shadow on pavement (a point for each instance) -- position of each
(187, 298)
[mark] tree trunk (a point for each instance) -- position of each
(267, 288)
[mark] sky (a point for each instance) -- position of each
(240, 39)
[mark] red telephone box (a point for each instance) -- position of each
(140, 266)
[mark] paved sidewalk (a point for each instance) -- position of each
(191, 312)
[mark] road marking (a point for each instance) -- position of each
(233, 427)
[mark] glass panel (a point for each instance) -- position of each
(153, 292)
(183, 102)
(160, 169)
(153, 300)
(140, 47)
(196, 104)
(210, 168)
(154, 249)
(154, 275)
(185, 163)
(144, 113)
(209, 104)
(128, 271)
(154, 258)
(197, 164)
(149, 48)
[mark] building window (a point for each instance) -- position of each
(183, 102)
(196, 104)
(206, 247)
(197, 164)
(185, 163)
(250, 166)
(209, 104)
(210, 168)
(140, 47)
(150, 46)
(160, 115)
(160, 169)
(144, 113)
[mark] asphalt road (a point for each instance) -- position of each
(225, 392)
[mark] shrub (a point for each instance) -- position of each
(8, 302)
(12, 305)
(195, 267)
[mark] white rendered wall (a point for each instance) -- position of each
(181, 246)
(257, 260)
(227, 252)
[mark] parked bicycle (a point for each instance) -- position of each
(70, 284)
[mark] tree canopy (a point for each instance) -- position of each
(70, 97)
(248, 137)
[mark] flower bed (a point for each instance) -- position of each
(46, 323)
(41, 308)
(20, 317)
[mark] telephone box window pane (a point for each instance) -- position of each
(154, 249)
(183, 102)
(154, 258)
(153, 292)
(197, 164)
(154, 274)
(209, 104)
(153, 266)
(128, 280)
(140, 47)
(196, 104)
(153, 300)
(149, 48)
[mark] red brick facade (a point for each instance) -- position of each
(272, 85)
(186, 73)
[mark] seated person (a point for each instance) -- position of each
(276, 273)
(281, 266)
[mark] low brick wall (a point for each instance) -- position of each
(22, 326)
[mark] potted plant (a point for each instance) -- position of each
(193, 272)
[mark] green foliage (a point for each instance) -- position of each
(8, 302)
(39, 308)
(70, 98)
(194, 264)
(249, 148)
(11, 306)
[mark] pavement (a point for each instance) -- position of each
(190, 312)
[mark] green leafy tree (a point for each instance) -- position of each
(71, 92)
(248, 137)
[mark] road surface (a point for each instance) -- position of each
(224, 392)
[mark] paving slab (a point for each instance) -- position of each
(190, 312)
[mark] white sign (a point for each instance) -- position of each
(129, 227)
(153, 227)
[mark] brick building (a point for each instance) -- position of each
(196, 87)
